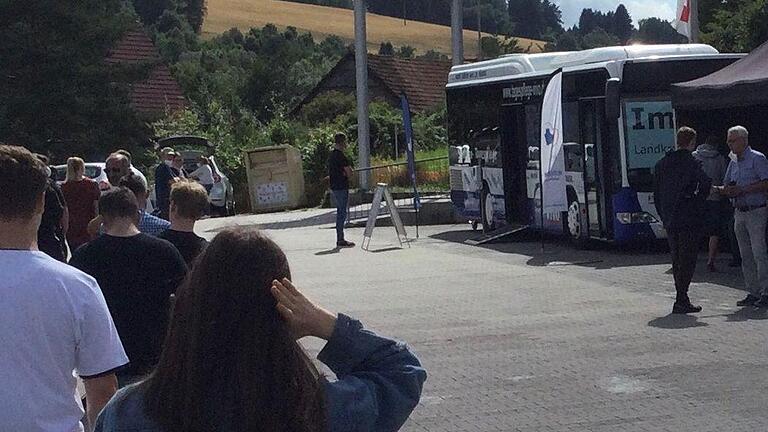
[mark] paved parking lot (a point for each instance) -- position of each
(515, 339)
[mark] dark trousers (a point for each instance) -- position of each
(684, 246)
(341, 197)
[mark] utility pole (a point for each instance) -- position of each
(694, 5)
(479, 34)
(361, 80)
(457, 32)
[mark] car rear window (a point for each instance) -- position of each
(92, 171)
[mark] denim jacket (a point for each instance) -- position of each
(379, 384)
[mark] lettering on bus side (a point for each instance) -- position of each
(521, 92)
(653, 120)
(650, 127)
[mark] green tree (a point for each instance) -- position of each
(406, 52)
(386, 49)
(622, 24)
(59, 96)
(598, 38)
(658, 31)
(739, 26)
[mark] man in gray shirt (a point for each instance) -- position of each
(746, 183)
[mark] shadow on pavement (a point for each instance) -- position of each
(329, 251)
(746, 314)
(559, 252)
(389, 249)
(598, 256)
(321, 219)
(676, 322)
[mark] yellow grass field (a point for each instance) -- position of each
(322, 21)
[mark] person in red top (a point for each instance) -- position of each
(82, 196)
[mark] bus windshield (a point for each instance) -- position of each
(649, 133)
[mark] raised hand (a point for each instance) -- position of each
(304, 318)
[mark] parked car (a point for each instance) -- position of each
(95, 171)
(222, 196)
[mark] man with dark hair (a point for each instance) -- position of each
(339, 173)
(148, 224)
(188, 203)
(137, 274)
(681, 187)
(54, 323)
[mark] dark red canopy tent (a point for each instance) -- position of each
(734, 95)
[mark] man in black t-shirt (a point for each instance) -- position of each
(188, 203)
(339, 173)
(137, 274)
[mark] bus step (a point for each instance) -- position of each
(497, 234)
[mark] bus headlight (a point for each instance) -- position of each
(636, 218)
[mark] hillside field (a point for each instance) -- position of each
(322, 21)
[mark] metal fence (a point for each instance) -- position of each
(432, 180)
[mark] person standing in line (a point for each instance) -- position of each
(148, 224)
(716, 209)
(117, 166)
(680, 189)
(188, 203)
(232, 359)
(178, 166)
(133, 169)
(746, 184)
(82, 197)
(51, 236)
(203, 174)
(339, 172)
(54, 322)
(137, 274)
(165, 175)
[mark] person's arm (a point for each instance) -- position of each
(657, 191)
(98, 391)
(379, 380)
(94, 226)
(761, 186)
(99, 351)
(65, 221)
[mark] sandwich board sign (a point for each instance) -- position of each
(382, 193)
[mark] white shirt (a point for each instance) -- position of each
(204, 173)
(54, 326)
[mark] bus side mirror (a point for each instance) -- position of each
(612, 102)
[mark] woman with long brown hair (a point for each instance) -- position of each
(231, 361)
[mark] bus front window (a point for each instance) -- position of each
(649, 132)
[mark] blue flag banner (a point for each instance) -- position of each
(408, 128)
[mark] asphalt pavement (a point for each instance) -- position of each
(519, 339)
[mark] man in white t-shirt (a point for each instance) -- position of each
(54, 322)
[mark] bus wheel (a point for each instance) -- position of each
(574, 223)
(487, 210)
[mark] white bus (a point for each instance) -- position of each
(618, 122)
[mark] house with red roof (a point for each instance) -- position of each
(159, 93)
(422, 80)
